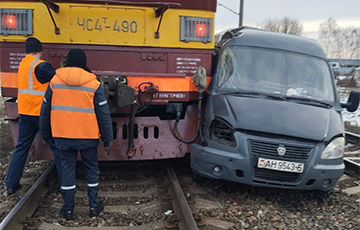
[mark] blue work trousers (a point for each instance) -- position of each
(28, 127)
(90, 159)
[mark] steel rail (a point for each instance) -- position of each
(180, 205)
(28, 203)
(352, 168)
(352, 138)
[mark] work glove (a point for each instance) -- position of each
(107, 146)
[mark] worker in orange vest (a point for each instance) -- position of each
(33, 78)
(75, 113)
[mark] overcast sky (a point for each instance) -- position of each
(309, 12)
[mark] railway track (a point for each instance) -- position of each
(28, 203)
(143, 196)
(147, 197)
(352, 157)
(350, 182)
(352, 138)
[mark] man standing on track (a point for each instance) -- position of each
(33, 77)
(75, 113)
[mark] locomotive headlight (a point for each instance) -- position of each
(8, 21)
(335, 149)
(196, 29)
(222, 132)
(16, 22)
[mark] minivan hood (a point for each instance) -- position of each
(277, 117)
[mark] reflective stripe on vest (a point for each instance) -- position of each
(31, 92)
(64, 86)
(30, 89)
(72, 109)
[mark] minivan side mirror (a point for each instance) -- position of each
(353, 101)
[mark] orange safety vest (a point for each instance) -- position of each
(72, 105)
(30, 91)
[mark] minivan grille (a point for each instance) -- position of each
(264, 148)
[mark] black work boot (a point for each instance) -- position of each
(11, 191)
(97, 210)
(68, 215)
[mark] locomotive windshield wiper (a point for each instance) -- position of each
(252, 94)
(310, 101)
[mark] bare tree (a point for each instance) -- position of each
(342, 43)
(352, 42)
(328, 32)
(285, 25)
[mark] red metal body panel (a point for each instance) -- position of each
(9, 92)
(154, 145)
(110, 58)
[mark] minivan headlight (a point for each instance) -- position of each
(222, 132)
(335, 149)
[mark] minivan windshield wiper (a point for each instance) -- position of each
(310, 101)
(256, 94)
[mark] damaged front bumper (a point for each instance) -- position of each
(240, 164)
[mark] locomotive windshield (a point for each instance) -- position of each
(274, 72)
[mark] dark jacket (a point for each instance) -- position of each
(102, 115)
(44, 72)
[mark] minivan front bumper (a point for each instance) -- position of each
(240, 165)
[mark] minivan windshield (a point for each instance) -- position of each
(274, 72)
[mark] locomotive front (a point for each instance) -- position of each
(144, 53)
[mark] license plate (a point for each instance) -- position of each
(280, 165)
(107, 25)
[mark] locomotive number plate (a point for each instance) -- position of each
(107, 25)
(280, 165)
